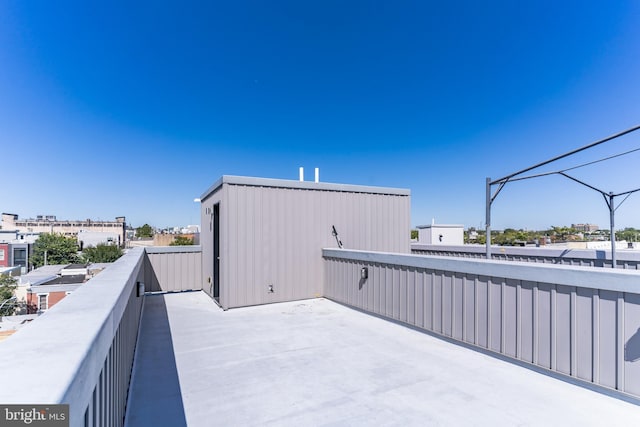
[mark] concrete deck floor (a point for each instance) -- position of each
(316, 362)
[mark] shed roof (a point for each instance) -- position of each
(306, 185)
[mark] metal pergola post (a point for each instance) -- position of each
(612, 215)
(488, 218)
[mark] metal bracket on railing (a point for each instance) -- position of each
(139, 289)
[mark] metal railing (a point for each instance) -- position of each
(173, 268)
(580, 323)
(629, 260)
(80, 352)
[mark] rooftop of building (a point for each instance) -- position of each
(11, 218)
(316, 362)
(309, 185)
(67, 280)
(53, 274)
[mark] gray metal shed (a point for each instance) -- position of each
(262, 239)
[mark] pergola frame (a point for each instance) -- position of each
(516, 176)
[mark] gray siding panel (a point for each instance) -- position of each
(544, 325)
(457, 314)
(573, 327)
(469, 309)
(273, 234)
(632, 344)
(584, 333)
(509, 320)
(482, 311)
(170, 269)
(564, 323)
(607, 349)
(495, 302)
(526, 321)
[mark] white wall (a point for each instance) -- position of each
(441, 234)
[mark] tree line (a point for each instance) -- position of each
(513, 237)
(56, 248)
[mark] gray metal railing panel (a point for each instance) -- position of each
(173, 268)
(579, 257)
(580, 322)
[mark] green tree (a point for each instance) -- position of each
(414, 234)
(629, 234)
(511, 236)
(58, 248)
(181, 241)
(7, 288)
(562, 232)
(101, 253)
(144, 231)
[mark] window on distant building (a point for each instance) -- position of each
(20, 257)
(1, 254)
(43, 300)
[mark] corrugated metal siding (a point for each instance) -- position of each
(274, 235)
(277, 236)
(586, 331)
(169, 269)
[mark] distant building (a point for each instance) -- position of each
(441, 234)
(69, 228)
(168, 239)
(16, 248)
(44, 287)
(190, 229)
(20, 255)
(587, 228)
(4, 255)
(95, 238)
(15, 236)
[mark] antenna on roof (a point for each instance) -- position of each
(317, 174)
(301, 173)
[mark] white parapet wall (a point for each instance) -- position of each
(80, 352)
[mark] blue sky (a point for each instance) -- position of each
(136, 108)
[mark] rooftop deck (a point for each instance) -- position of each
(315, 362)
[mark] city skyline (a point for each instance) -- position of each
(136, 109)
